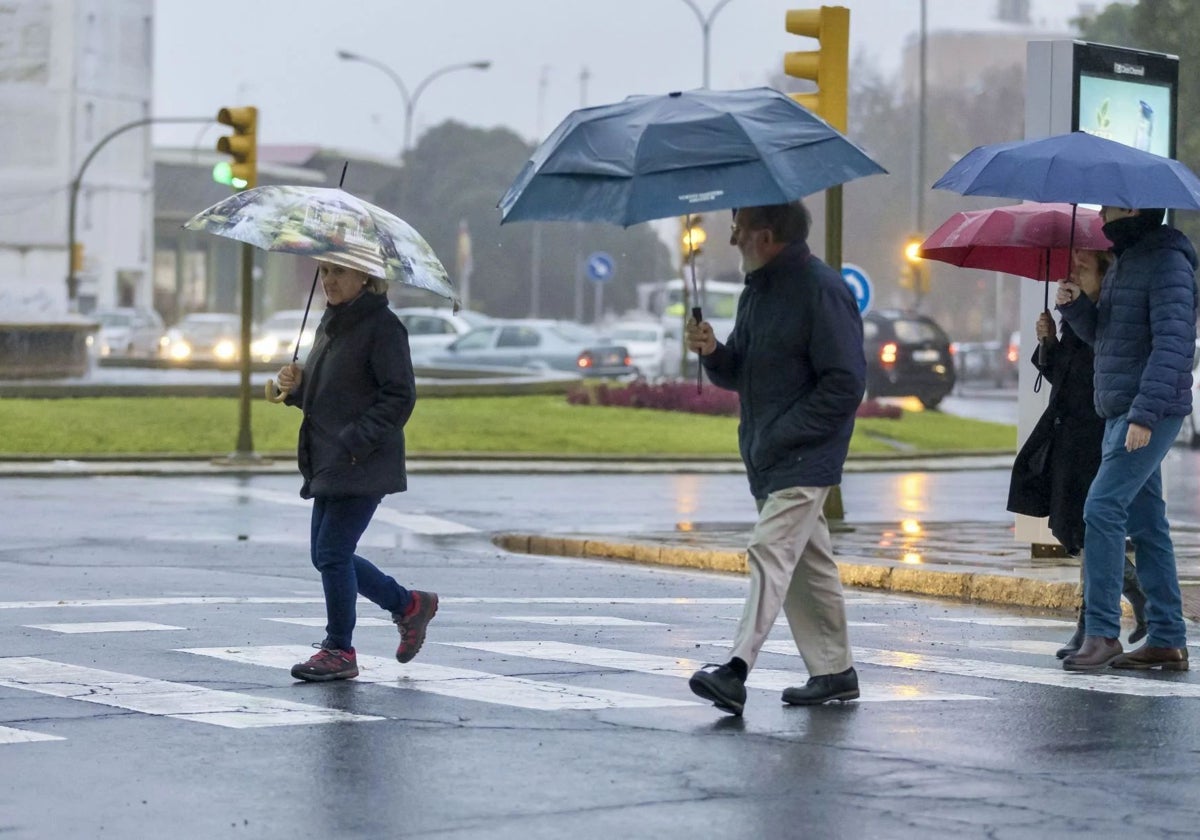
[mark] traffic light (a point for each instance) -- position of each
(915, 275)
(692, 236)
(828, 65)
(242, 146)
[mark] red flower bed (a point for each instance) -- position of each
(682, 396)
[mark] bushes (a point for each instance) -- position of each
(682, 396)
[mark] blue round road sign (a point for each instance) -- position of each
(860, 285)
(599, 267)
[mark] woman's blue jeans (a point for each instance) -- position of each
(337, 525)
(1126, 498)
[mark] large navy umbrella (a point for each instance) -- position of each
(1076, 168)
(652, 157)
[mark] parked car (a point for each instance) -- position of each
(908, 355)
(276, 337)
(128, 331)
(431, 330)
(646, 343)
(538, 345)
(204, 336)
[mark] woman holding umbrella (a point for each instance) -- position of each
(357, 391)
(1055, 467)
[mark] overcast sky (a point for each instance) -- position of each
(281, 56)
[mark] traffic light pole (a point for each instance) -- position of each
(245, 443)
(77, 183)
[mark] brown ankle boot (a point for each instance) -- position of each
(1097, 652)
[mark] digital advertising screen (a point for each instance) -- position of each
(1127, 95)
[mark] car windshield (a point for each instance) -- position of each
(635, 334)
(114, 319)
(573, 333)
(915, 332)
(290, 323)
(206, 327)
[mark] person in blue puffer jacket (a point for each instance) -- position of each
(1143, 334)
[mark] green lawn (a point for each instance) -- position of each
(530, 425)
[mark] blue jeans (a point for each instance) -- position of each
(337, 525)
(1126, 498)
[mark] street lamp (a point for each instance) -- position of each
(706, 27)
(410, 100)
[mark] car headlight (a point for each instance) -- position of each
(266, 347)
(225, 350)
(179, 350)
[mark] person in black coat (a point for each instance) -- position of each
(1054, 469)
(357, 391)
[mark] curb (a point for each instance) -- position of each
(979, 587)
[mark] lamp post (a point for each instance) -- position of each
(706, 28)
(410, 99)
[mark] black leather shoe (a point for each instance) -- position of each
(1096, 653)
(720, 685)
(1075, 642)
(823, 689)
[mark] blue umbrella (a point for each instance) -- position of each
(652, 157)
(1076, 168)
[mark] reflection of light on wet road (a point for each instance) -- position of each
(686, 489)
(911, 527)
(685, 526)
(912, 492)
(911, 557)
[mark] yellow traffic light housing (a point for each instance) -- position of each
(692, 236)
(828, 65)
(242, 145)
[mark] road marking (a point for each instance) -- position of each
(418, 523)
(321, 622)
(1033, 646)
(1000, 621)
(456, 682)
(24, 736)
(104, 627)
(178, 601)
(669, 666)
(782, 622)
(664, 602)
(1108, 683)
(580, 620)
(158, 697)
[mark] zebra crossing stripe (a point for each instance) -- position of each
(580, 620)
(162, 698)
(670, 666)
(461, 683)
(1008, 621)
(1108, 683)
(104, 627)
(305, 621)
(24, 736)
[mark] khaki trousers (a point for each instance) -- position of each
(791, 566)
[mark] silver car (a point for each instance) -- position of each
(128, 331)
(538, 345)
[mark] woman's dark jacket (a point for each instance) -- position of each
(795, 358)
(1054, 469)
(1143, 328)
(357, 392)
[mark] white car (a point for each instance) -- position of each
(431, 329)
(646, 343)
(276, 337)
(128, 331)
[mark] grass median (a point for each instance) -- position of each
(111, 427)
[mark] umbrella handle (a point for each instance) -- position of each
(698, 317)
(274, 393)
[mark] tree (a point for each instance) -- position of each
(457, 173)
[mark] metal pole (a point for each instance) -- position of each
(706, 22)
(245, 443)
(77, 183)
(584, 75)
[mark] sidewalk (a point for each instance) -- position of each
(970, 561)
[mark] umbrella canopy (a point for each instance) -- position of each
(651, 157)
(1078, 168)
(1031, 240)
(331, 225)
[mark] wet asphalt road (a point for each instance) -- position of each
(967, 727)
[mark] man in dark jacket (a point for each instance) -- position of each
(1143, 333)
(357, 390)
(795, 357)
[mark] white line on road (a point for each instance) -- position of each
(1000, 621)
(464, 684)
(321, 622)
(159, 697)
(580, 620)
(24, 736)
(104, 627)
(668, 666)
(202, 600)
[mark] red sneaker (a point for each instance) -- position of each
(413, 621)
(328, 663)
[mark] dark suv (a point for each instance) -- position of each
(908, 355)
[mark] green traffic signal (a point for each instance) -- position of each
(222, 173)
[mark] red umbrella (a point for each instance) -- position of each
(1031, 240)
